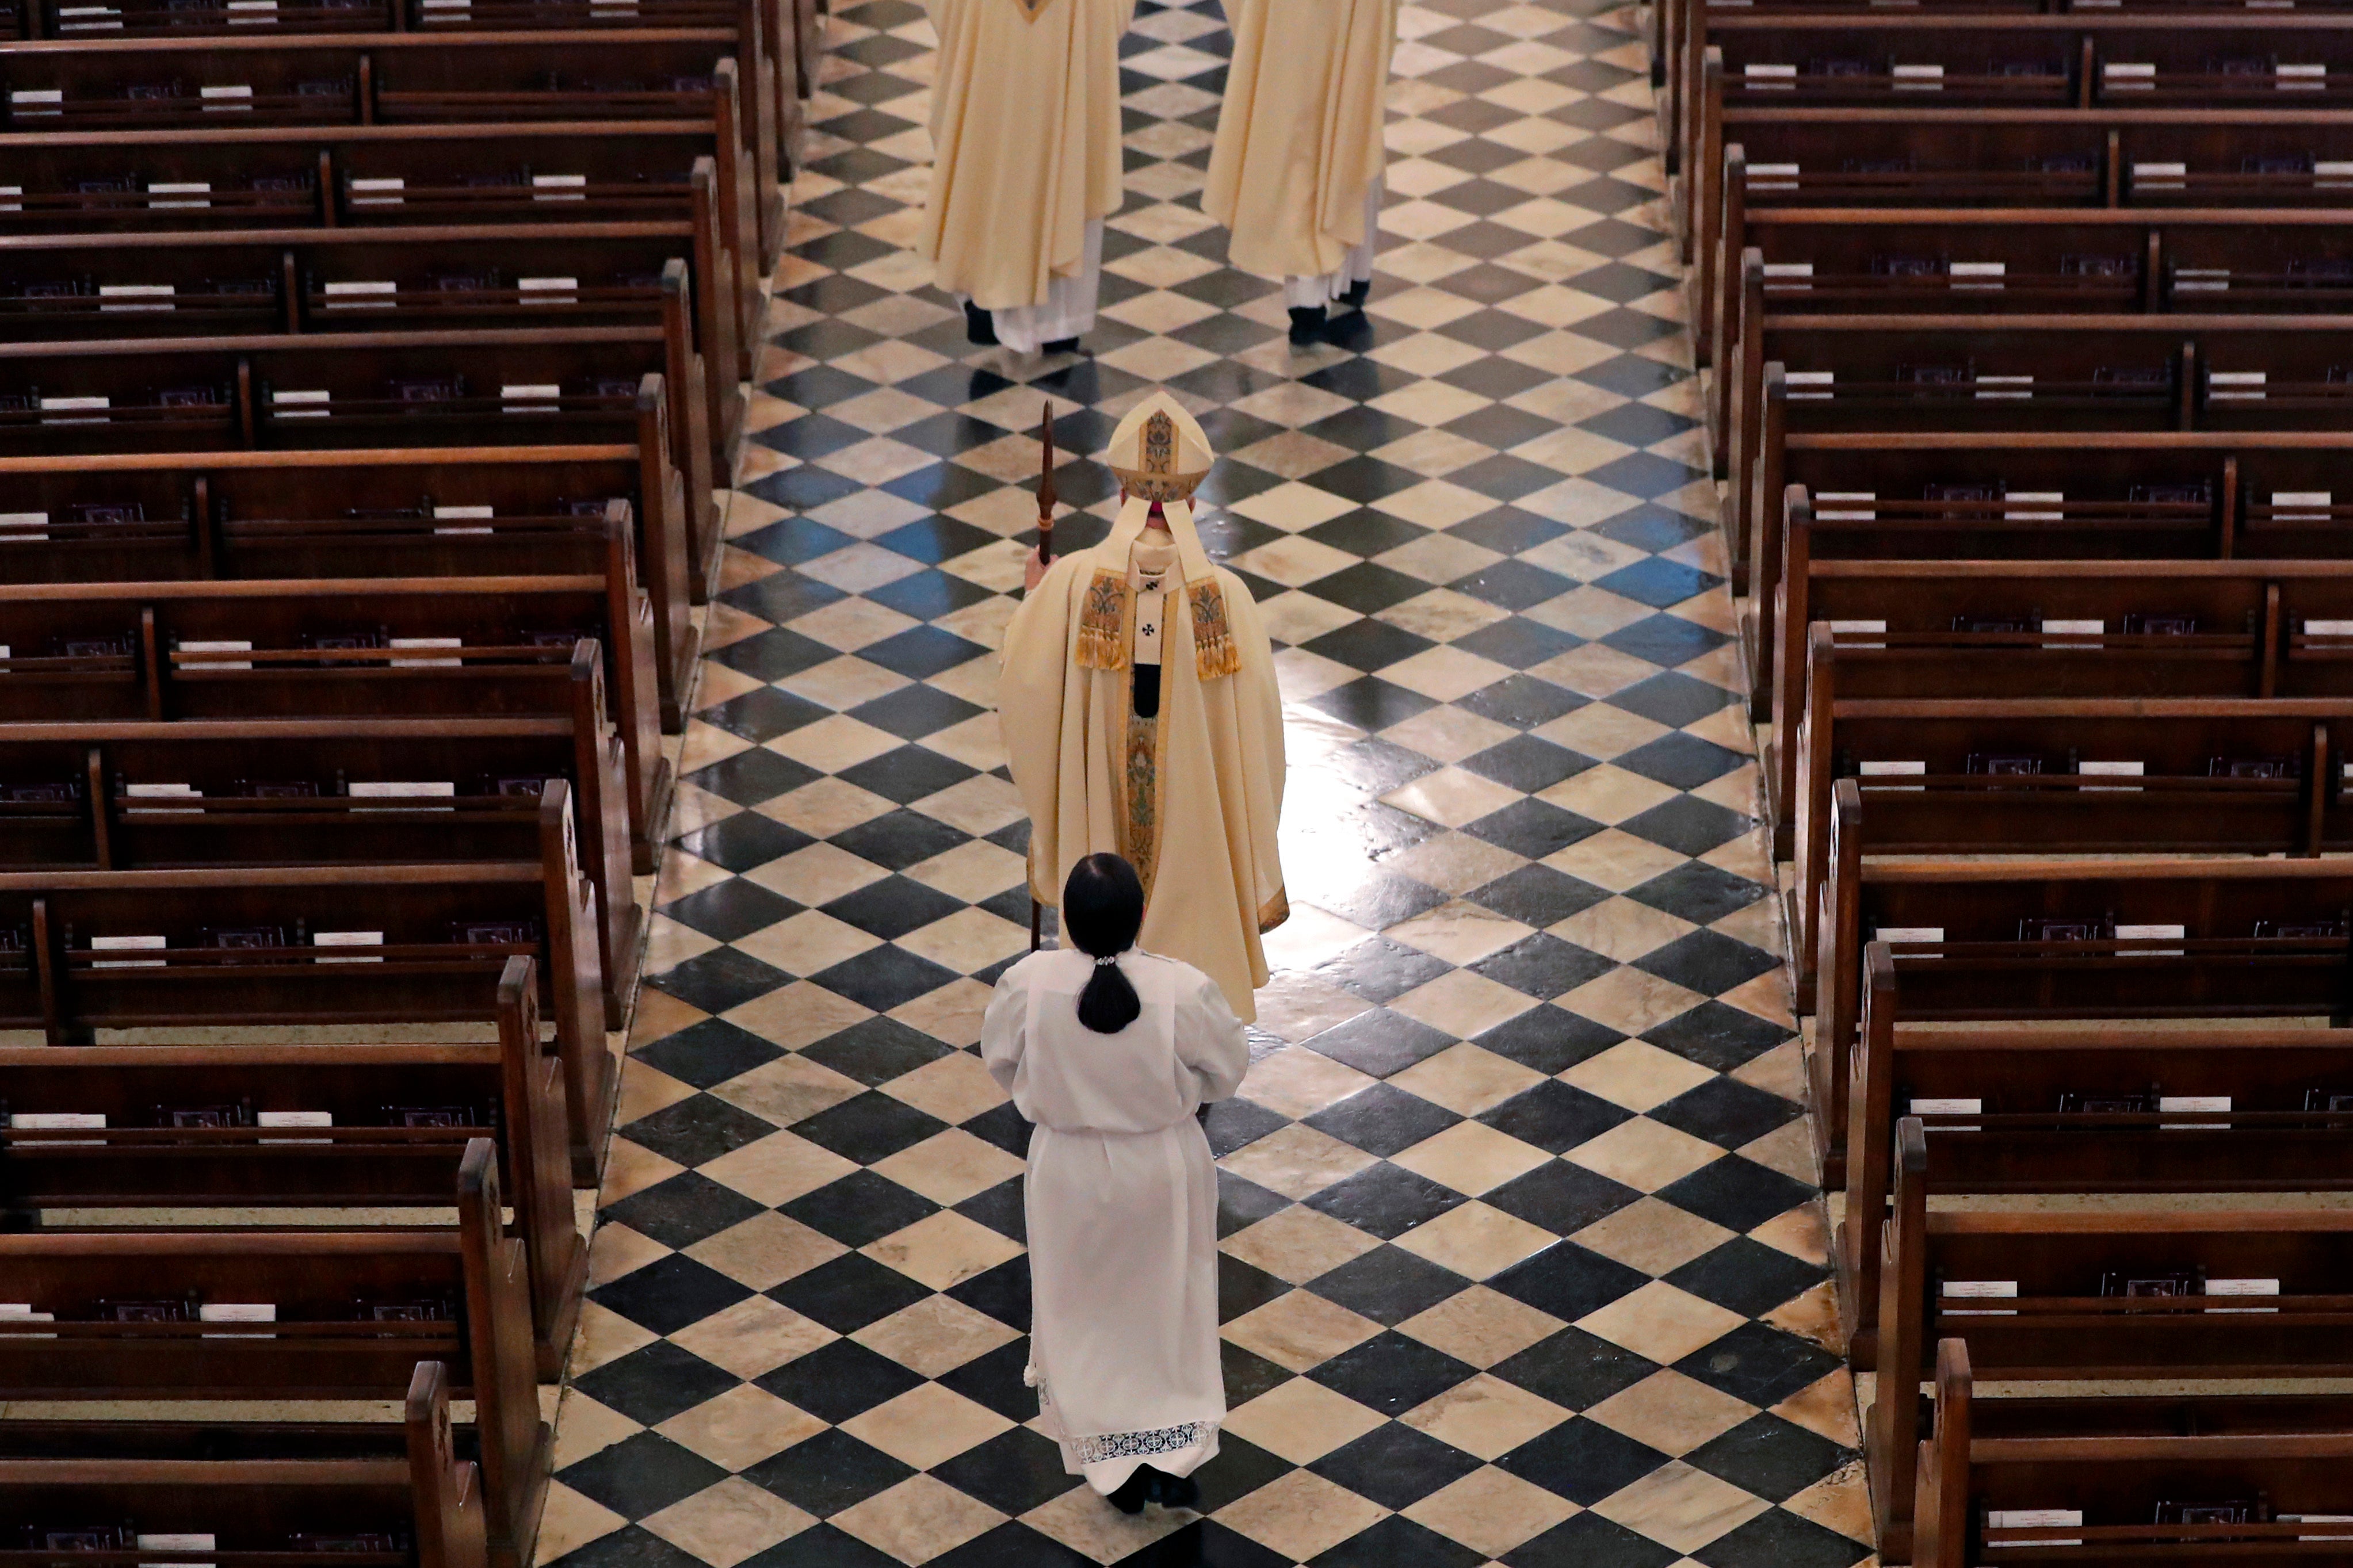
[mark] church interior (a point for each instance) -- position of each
(500, 489)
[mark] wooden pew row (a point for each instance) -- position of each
(295, 282)
(321, 647)
(1956, 261)
(395, 176)
(2097, 629)
(484, 512)
(2101, 1109)
(2118, 1295)
(2162, 775)
(1769, 157)
(1772, 58)
(305, 1495)
(138, 795)
(354, 1313)
(438, 387)
(2088, 375)
(2256, 1478)
(201, 1126)
(248, 946)
(2125, 938)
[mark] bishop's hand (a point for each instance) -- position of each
(1033, 572)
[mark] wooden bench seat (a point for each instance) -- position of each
(204, 1126)
(354, 1313)
(274, 1488)
(324, 647)
(409, 944)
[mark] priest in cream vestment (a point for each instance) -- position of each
(1141, 717)
(1025, 164)
(1296, 171)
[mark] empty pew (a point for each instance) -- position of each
(327, 1314)
(355, 647)
(2259, 1478)
(296, 1492)
(308, 945)
(168, 1127)
(480, 511)
(2085, 1295)
(132, 795)
(2127, 938)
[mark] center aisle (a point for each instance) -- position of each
(1522, 1256)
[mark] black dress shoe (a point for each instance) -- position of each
(1179, 1491)
(1059, 346)
(1133, 1492)
(1359, 293)
(1307, 325)
(980, 326)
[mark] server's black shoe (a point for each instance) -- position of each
(1059, 346)
(979, 327)
(1307, 325)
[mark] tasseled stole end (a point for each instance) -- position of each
(1214, 653)
(1104, 622)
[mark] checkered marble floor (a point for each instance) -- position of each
(1521, 1259)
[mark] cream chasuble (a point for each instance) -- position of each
(1025, 143)
(1189, 794)
(1299, 137)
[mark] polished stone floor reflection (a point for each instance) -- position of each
(1522, 1260)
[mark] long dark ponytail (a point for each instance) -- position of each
(1103, 908)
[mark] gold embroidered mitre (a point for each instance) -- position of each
(1159, 451)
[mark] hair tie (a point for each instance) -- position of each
(1106, 961)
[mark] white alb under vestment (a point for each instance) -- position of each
(1121, 1205)
(1355, 264)
(1069, 308)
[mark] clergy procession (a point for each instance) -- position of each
(783, 786)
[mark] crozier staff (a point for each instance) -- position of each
(1109, 1050)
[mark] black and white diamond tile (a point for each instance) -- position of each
(1521, 1260)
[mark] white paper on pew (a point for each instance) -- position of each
(2128, 76)
(1791, 275)
(1847, 514)
(514, 390)
(56, 1121)
(429, 642)
(549, 290)
(558, 187)
(2161, 176)
(2246, 385)
(1982, 1291)
(347, 939)
(88, 19)
(1859, 628)
(2110, 770)
(412, 790)
(1895, 770)
(2190, 1103)
(1909, 933)
(294, 1118)
(252, 13)
(148, 296)
(12, 191)
(231, 100)
(2242, 1288)
(2320, 1519)
(219, 647)
(162, 792)
(2202, 280)
(382, 191)
(1772, 176)
(461, 512)
(2329, 628)
(2073, 629)
(4, 651)
(22, 1313)
(449, 4)
(2034, 1517)
(128, 944)
(2148, 933)
(177, 1540)
(184, 188)
(2046, 497)
(344, 295)
(23, 525)
(1950, 1108)
(28, 102)
(294, 404)
(1817, 383)
(1981, 274)
(2332, 175)
(1919, 79)
(76, 405)
(2281, 500)
(2017, 388)
(2301, 78)
(1770, 78)
(238, 1312)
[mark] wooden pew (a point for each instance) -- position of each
(1927, 628)
(275, 1488)
(461, 512)
(2263, 1474)
(356, 1311)
(435, 78)
(247, 946)
(2040, 1109)
(1975, 917)
(88, 794)
(2152, 1322)
(196, 1126)
(324, 647)
(435, 386)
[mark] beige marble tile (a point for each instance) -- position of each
(583, 1427)
(1485, 1415)
(1615, 859)
(926, 1426)
(1622, 929)
(645, 1089)
(1295, 1081)
(572, 1521)
(1630, 1000)
(1840, 1501)
(795, 1016)
(918, 1520)
(1475, 1240)
(1636, 1075)
(1681, 1508)
(1302, 1515)
(1296, 1160)
(777, 1169)
(754, 1337)
(949, 1167)
(631, 1168)
(955, 1089)
(1801, 1231)
(1661, 1323)
(1462, 1004)
(1826, 1406)
(1453, 862)
(1470, 1157)
(1300, 1330)
(740, 1428)
(971, 871)
(1448, 734)
(604, 1335)
(806, 943)
(1481, 1326)
(943, 1250)
(1452, 797)
(1492, 1510)
(1672, 1413)
(766, 1251)
(1644, 1154)
(934, 1336)
(1442, 614)
(1653, 1236)
(1466, 1078)
(1297, 1244)
(969, 940)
